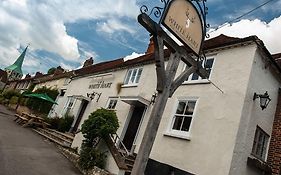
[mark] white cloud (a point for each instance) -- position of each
(42, 24)
(72, 11)
(132, 56)
(66, 66)
(114, 25)
(267, 32)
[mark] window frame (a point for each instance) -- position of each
(200, 80)
(264, 146)
(177, 133)
(134, 83)
(108, 102)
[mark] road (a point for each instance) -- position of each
(23, 152)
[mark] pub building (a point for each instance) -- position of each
(210, 126)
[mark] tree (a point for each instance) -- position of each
(52, 70)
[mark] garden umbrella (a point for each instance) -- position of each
(41, 96)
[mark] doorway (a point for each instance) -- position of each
(84, 104)
(133, 126)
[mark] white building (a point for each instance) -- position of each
(205, 129)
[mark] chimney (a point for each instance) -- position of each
(150, 48)
(59, 70)
(88, 62)
(38, 74)
(27, 76)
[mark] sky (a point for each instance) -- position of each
(67, 32)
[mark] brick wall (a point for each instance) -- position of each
(274, 152)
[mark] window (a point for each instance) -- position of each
(68, 105)
(133, 76)
(208, 64)
(112, 103)
(260, 144)
(182, 118)
(62, 92)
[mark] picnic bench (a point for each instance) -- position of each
(27, 119)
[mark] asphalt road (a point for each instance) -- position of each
(23, 152)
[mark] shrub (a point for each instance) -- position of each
(10, 93)
(90, 157)
(61, 124)
(65, 123)
(14, 100)
(100, 124)
(2, 99)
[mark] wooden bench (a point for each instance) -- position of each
(20, 119)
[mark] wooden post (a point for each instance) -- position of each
(166, 85)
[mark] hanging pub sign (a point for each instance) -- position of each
(183, 20)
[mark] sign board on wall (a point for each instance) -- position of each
(183, 20)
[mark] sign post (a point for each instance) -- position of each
(182, 19)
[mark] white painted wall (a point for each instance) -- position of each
(261, 79)
(212, 147)
(54, 84)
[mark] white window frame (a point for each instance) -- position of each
(264, 146)
(108, 103)
(66, 105)
(177, 133)
(129, 73)
(200, 80)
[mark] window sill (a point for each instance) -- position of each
(196, 82)
(184, 137)
(258, 164)
(129, 85)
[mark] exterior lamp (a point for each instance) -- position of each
(153, 97)
(264, 99)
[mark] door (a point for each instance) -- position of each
(84, 105)
(133, 126)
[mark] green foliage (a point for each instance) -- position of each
(65, 123)
(61, 124)
(51, 70)
(8, 94)
(2, 99)
(100, 123)
(14, 100)
(40, 105)
(90, 157)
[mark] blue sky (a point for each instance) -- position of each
(66, 32)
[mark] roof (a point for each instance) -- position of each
(3, 76)
(50, 77)
(18, 63)
(277, 58)
(216, 42)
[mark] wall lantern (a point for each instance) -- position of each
(153, 97)
(264, 99)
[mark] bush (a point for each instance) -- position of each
(14, 100)
(65, 123)
(100, 123)
(90, 157)
(10, 93)
(61, 124)
(2, 99)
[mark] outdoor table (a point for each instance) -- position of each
(33, 119)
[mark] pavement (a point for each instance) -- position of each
(23, 152)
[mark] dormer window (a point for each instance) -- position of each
(133, 76)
